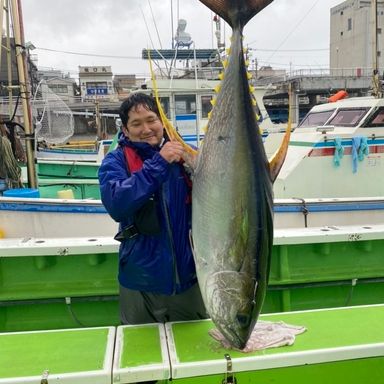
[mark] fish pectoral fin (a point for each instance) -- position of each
(277, 160)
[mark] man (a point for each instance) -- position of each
(146, 189)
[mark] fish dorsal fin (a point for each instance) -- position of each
(169, 128)
(236, 12)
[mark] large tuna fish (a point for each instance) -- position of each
(232, 195)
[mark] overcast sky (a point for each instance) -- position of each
(288, 34)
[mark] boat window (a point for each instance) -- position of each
(377, 119)
(206, 106)
(185, 104)
(165, 104)
(315, 119)
(348, 117)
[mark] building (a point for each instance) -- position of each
(123, 84)
(351, 38)
(11, 76)
(61, 84)
(96, 83)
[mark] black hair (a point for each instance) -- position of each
(134, 100)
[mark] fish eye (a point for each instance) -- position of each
(243, 319)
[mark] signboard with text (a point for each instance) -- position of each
(97, 91)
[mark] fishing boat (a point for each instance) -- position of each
(336, 151)
(83, 151)
(65, 292)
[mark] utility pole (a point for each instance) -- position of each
(24, 91)
(376, 83)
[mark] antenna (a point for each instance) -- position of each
(154, 23)
(172, 45)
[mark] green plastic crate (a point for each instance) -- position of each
(74, 356)
(346, 343)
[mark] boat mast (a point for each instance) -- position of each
(376, 84)
(21, 51)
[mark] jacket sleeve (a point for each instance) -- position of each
(122, 193)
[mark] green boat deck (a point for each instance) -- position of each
(340, 345)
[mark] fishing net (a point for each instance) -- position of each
(54, 122)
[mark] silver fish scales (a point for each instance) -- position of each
(232, 210)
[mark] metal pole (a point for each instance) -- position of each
(9, 62)
(376, 84)
(20, 53)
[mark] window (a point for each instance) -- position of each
(377, 119)
(58, 88)
(349, 24)
(185, 104)
(348, 117)
(165, 104)
(206, 106)
(316, 119)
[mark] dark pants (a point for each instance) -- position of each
(145, 307)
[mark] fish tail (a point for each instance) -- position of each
(236, 12)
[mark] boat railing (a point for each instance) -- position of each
(325, 128)
(316, 73)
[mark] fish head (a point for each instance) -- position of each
(231, 305)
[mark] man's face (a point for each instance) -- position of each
(144, 126)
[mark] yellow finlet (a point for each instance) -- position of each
(217, 88)
(249, 75)
(225, 63)
(221, 76)
(213, 102)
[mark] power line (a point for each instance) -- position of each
(291, 50)
(90, 54)
(293, 30)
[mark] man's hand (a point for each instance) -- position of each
(190, 160)
(172, 151)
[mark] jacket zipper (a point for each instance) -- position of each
(176, 278)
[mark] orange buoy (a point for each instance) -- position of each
(338, 96)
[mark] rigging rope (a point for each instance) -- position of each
(9, 168)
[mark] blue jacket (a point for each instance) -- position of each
(161, 263)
